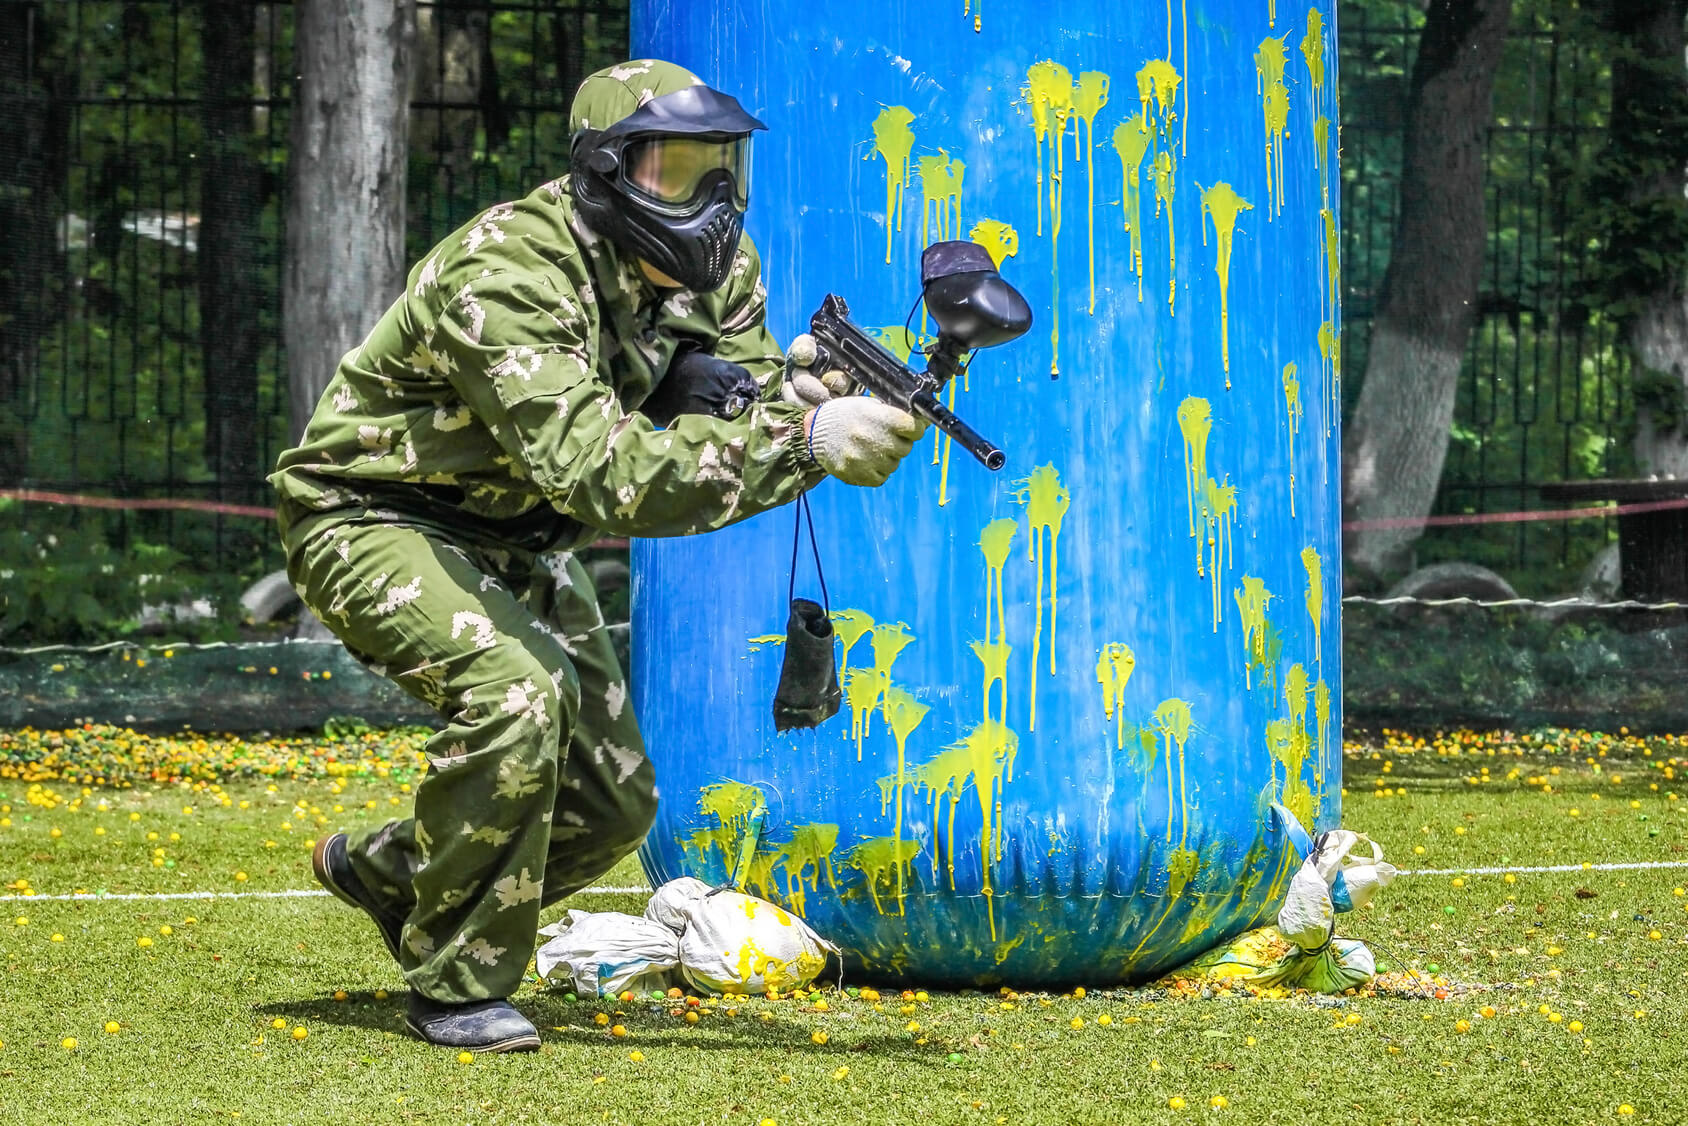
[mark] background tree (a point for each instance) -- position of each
(1397, 438)
(345, 258)
(32, 155)
(230, 244)
(1631, 202)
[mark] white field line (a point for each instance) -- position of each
(634, 889)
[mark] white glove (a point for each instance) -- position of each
(860, 440)
(803, 387)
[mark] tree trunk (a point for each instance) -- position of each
(345, 214)
(231, 205)
(1395, 443)
(32, 275)
(1648, 153)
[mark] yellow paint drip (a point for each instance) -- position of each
(1089, 96)
(998, 238)
(1327, 362)
(1284, 747)
(732, 804)
(1049, 91)
(1157, 82)
(1131, 140)
(977, 8)
(1165, 187)
(1195, 419)
(903, 714)
(894, 140)
(986, 756)
(1252, 601)
(995, 542)
(993, 655)
(946, 774)
(1046, 502)
(850, 626)
(1333, 264)
(1292, 409)
(1321, 716)
(810, 846)
(1219, 506)
(704, 841)
(1269, 63)
(940, 185)
(1321, 142)
(1172, 720)
(1223, 203)
(861, 692)
(1315, 598)
(1313, 50)
(883, 859)
(1114, 665)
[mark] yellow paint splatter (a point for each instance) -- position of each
(1219, 506)
(1269, 63)
(986, 756)
(1172, 720)
(894, 140)
(883, 859)
(1089, 96)
(993, 655)
(1165, 187)
(1046, 502)
(850, 626)
(704, 841)
(732, 804)
(1315, 598)
(1321, 142)
(995, 542)
(940, 184)
(1333, 264)
(1113, 671)
(756, 643)
(1330, 363)
(1224, 204)
(889, 640)
(861, 692)
(898, 340)
(1321, 715)
(998, 238)
(1284, 745)
(1252, 601)
(1131, 140)
(1195, 419)
(810, 846)
(1158, 81)
(1292, 408)
(903, 714)
(1049, 92)
(1313, 50)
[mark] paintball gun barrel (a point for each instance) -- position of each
(973, 307)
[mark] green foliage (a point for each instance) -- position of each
(75, 586)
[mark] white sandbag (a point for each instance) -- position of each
(672, 903)
(736, 943)
(602, 953)
(1343, 872)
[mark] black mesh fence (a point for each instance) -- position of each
(143, 174)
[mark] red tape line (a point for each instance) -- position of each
(1598, 512)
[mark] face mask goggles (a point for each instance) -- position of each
(673, 175)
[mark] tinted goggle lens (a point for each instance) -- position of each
(670, 170)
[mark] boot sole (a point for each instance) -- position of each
(527, 1042)
(319, 868)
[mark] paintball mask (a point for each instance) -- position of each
(669, 183)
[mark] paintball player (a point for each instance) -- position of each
(590, 359)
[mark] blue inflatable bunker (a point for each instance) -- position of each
(1079, 692)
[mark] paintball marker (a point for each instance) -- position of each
(973, 307)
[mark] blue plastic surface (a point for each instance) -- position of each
(1119, 652)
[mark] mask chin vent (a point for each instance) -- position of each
(720, 240)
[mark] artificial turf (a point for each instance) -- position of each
(1585, 972)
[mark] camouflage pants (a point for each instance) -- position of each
(538, 782)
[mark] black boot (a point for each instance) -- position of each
(474, 1026)
(334, 872)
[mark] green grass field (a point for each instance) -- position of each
(1563, 995)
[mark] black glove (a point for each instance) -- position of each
(699, 383)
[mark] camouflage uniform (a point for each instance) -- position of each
(487, 427)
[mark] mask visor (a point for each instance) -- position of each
(671, 172)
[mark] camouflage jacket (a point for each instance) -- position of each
(508, 377)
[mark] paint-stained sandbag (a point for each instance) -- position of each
(1342, 873)
(601, 953)
(720, 941)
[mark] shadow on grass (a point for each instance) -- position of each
(570, 1023)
